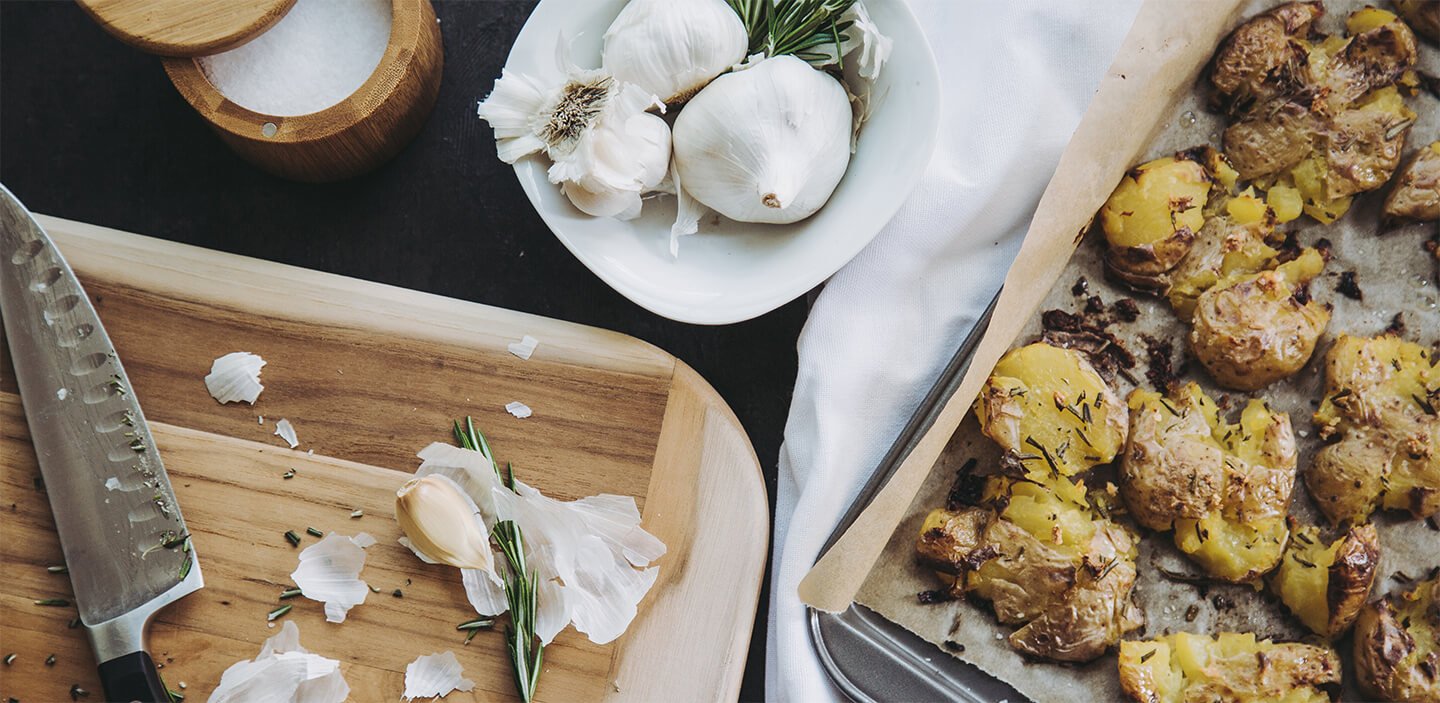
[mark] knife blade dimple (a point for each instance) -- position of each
(125, 540)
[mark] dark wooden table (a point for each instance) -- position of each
(92, 130)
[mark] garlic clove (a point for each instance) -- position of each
(673, 48)
(607, 203)
(443, 523)
(766, 144)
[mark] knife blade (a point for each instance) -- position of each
(126, 545)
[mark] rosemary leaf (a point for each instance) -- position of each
(525, 649)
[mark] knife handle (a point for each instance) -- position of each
(133, 677)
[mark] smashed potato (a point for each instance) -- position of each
(1250, 331)
(1230, 666)
(1263, 58)
(1397, 645)
(1422, 15)
(1317, 117)
(1380, 401)
(1416, 194)
(1152, 217)
(1223, 488)
(1050, 410)
(1045, 559)
(1230, 244)
(1326, 585)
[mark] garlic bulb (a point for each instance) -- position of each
(442, 524)
(765, 144)
(605, 148)
(672, 48)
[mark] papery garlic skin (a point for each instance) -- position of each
(592, 560)
(284, 671)
(673, 48)
(605, 147)
(442, 524)
(435, 676)
(234, 377)
(767, 144)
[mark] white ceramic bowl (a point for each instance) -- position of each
(733, 271)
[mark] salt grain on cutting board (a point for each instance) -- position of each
(318, 54)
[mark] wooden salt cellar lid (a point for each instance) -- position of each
(186, 27)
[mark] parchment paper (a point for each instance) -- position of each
(1393, 271)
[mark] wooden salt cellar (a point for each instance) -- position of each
(351, 137)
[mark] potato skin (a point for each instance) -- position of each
(1351, 576)
(1416, 194)
(1263, 58)
(1229, 666)
(1223, 488)
(1269, 142)
(1318, 114)
(1380, 396)
(1151, 219)
(1325, 585)
(1255, 330)
(1171, 467)
(1397, 646)
(1066, 588)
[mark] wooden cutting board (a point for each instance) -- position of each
(370, 374)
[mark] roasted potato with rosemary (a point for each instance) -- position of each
(1152, 217)
(1422, 15)
(1325, 585)
(1317, 117)
(1416, 194)
(1231, 243)
(1397, 645)
(1380, 402)
(1264, 58)
(1223, 488)
(1250, 331)
(1231, 667)
(1050, 410)
(1045, 559)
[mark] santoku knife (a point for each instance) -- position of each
(125, 543)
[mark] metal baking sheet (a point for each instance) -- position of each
(872, 658)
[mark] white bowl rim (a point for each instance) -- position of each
(925, 72)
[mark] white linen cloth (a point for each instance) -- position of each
(1017, 75)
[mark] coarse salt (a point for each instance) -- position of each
(317, 55)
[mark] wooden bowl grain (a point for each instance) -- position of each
(346, 139)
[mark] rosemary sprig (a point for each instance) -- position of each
(526, 651)
(798, 27)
